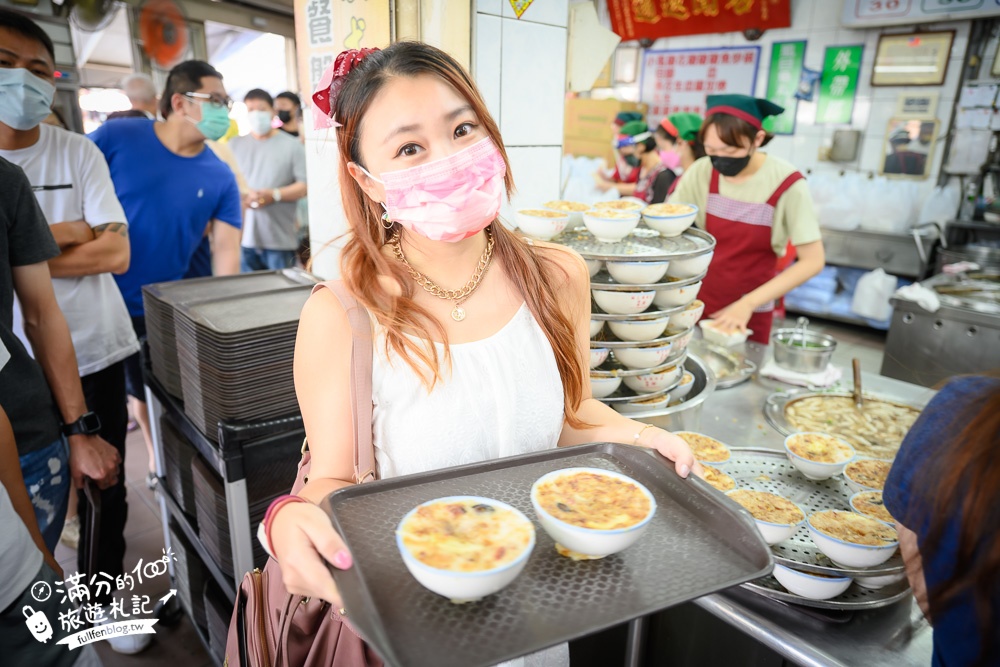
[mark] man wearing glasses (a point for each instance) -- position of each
(173, 189)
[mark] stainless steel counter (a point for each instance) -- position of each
(892, 636)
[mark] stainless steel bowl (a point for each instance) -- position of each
(802, 352)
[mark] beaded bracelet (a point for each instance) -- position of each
(264, 531)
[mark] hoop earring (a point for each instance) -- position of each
(386, 222)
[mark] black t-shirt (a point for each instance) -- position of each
(661, 186)
(25, 239)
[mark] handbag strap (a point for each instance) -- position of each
(361, 380)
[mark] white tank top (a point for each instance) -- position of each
(503, 396)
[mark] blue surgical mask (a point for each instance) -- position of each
(25, 99)
(214, 121)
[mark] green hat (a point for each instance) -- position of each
(633, 128)
(686, 124)
(624, 117)
(751, 109)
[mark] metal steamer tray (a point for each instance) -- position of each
(697, 543)
(641, 244)
(615, 369)
(651, 313)
(603, 281)
(624, 395)
(612, 342)
(731, 368)
(761, 469)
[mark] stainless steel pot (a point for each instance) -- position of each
(802, 351)
(684, 416)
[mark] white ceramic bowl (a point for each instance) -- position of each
(681, 343)
(643, 405)
(773, 533)
(639, 331)
(717, 464)
(464, 586)
(847, 554)
(672, 297)
(595, 327)
(610, 230)
(813, 469)
(593, 266)
(575, 216)
(713, 335)
(540, 226)
(643, 357)
(637, 273)
(684, 388)
(687, 317)
(652, 382)
(855, 508)
(623, 303)
(810, 585)
(880, 582)
(588, 542)
(858, 487)
(604, 387)
(691, 267)
(598, 355)
(670, 225)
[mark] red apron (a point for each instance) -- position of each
(744, 259)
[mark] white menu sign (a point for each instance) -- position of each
(679, 80)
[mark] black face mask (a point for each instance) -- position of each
(285, 116)
(632, 160)
(730, 166)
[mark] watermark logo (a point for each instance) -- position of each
(85, 620)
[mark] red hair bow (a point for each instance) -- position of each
(325, 96)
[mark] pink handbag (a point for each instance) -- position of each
(270, 626)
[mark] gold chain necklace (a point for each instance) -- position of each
(459, 296)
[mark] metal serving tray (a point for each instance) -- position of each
(612, 342)
(614, 369)
(731, 368)
(603, 281)
(641, 244)
(651, 313)
(854, 598)
(761, 469)
(697, 543)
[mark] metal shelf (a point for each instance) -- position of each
(224, 580)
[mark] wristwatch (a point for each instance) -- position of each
(276, 194)
(88, 424)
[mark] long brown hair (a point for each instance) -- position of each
(533, 271)
(966, 486)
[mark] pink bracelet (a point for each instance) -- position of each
(272, 510)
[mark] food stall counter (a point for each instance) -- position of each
(897, 635)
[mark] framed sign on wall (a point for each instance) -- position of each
(913, 59)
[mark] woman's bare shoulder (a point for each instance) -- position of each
(566, 259)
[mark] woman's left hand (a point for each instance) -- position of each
(733, 317)
(674, 448)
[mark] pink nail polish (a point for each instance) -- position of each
(685, 471)
(342, 560)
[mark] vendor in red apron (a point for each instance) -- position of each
(677, 135)
(754, 205)
(626, 171)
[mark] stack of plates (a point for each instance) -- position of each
(160, 301)
(189, 575)
(213, 517)
(218, 612)
(236, 355)
(177, 456)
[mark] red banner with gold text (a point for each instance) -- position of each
(652, 19)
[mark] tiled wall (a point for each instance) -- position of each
(520, 68)
(818, 22)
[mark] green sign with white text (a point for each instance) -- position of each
(839, 84)
(786, 70)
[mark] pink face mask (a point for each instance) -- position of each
(671, 159)
(449, 199)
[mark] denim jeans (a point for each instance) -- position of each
(255, 259)
(46, 474)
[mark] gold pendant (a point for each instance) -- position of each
(458, 314)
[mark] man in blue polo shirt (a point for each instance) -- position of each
(173, 189)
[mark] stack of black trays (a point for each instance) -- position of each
(177, 456)
(235, 357)
(160, 301)
(190, 575)
(219, 612)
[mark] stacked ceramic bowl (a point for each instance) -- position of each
(645, 304)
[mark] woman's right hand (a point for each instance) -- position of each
(304, 541)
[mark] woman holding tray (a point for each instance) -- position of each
(480, 336)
